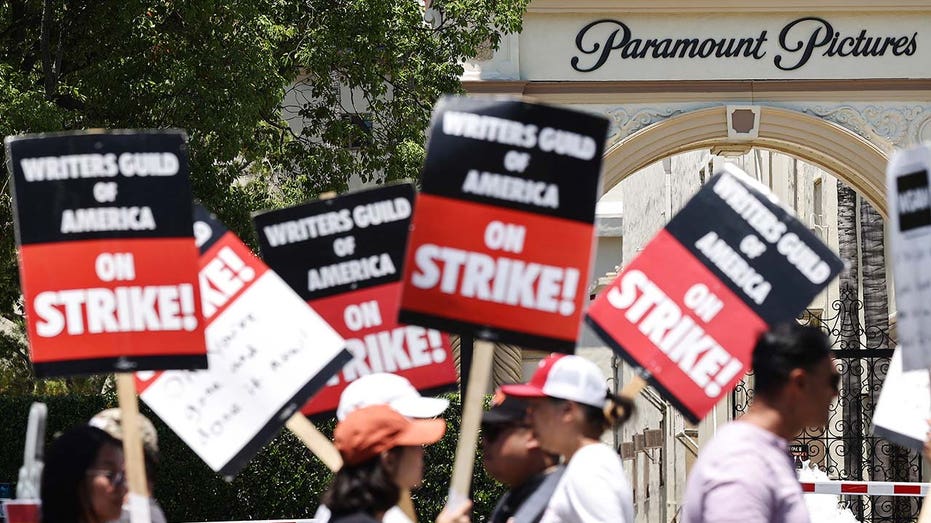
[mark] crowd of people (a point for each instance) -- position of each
(541, 439)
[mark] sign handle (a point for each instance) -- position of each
(633, 387)
(319, 444)
(479, 374)
(132, 448)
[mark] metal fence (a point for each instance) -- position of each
(845, 448)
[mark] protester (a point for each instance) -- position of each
(110, 421)
(570, 408)
(83, 479)
(745, 473)
(382, 454)
(382, 388)
(512, 455)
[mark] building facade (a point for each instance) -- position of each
(809, 98)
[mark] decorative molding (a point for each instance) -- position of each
(833, 147)
(885, 126)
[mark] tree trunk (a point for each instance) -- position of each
(850, 396)
(889, 461)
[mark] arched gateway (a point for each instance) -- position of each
(837, 84)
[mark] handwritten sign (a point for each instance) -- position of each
(344, 256)
(268, 351)
(107, 258)
(910, 233)
(904, 406)
(502, 235)
(689, 309)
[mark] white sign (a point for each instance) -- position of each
(904, 405)
(268, 353)
(910, 233)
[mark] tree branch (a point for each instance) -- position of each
(47, 68)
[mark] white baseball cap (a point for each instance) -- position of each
(383, 388)
(564, 376)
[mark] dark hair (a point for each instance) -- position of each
(785, 347)
(367, 487)
(64, 498)
(616, 411)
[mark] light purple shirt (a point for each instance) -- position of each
(744, 475)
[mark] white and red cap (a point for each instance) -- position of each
(382, 388)
(564, 376)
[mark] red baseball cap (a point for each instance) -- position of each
(367, 432)
(564, 376)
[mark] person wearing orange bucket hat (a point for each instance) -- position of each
(570, 408)
(382, 453)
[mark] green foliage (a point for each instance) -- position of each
(283, 481)
(256, 84)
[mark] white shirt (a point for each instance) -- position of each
(393, 515)
(594, 489)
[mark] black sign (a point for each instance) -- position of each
(502, 236)
(913, 205)
(528, 157)
(81, 186)
(691, 306)
(107, 256)
(334, 246)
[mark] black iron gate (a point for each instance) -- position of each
(845, 449)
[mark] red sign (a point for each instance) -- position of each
(107, 256)
(690, 307)
(344, 256)
(502, 234)
(367, 319)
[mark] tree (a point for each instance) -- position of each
(222, 71)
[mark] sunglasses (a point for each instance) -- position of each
(116, 479)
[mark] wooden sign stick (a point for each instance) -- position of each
(471, 417)
(132, 448)
(314, 440)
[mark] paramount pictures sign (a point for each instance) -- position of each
(725, 47)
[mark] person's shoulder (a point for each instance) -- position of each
(356, 517)
(597, 451)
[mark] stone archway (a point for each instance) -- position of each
(858, 162)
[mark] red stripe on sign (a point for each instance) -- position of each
(671, 315)
(853, 488)
(907, 489)
(95, 299)
(497, 268)
(808, 487)
(368, 320)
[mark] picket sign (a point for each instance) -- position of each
(501, 239)
(323, 448)
(132, 448)
(107, 257)
(743, 264)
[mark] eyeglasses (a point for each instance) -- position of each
(116, 479)
(492, 432)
